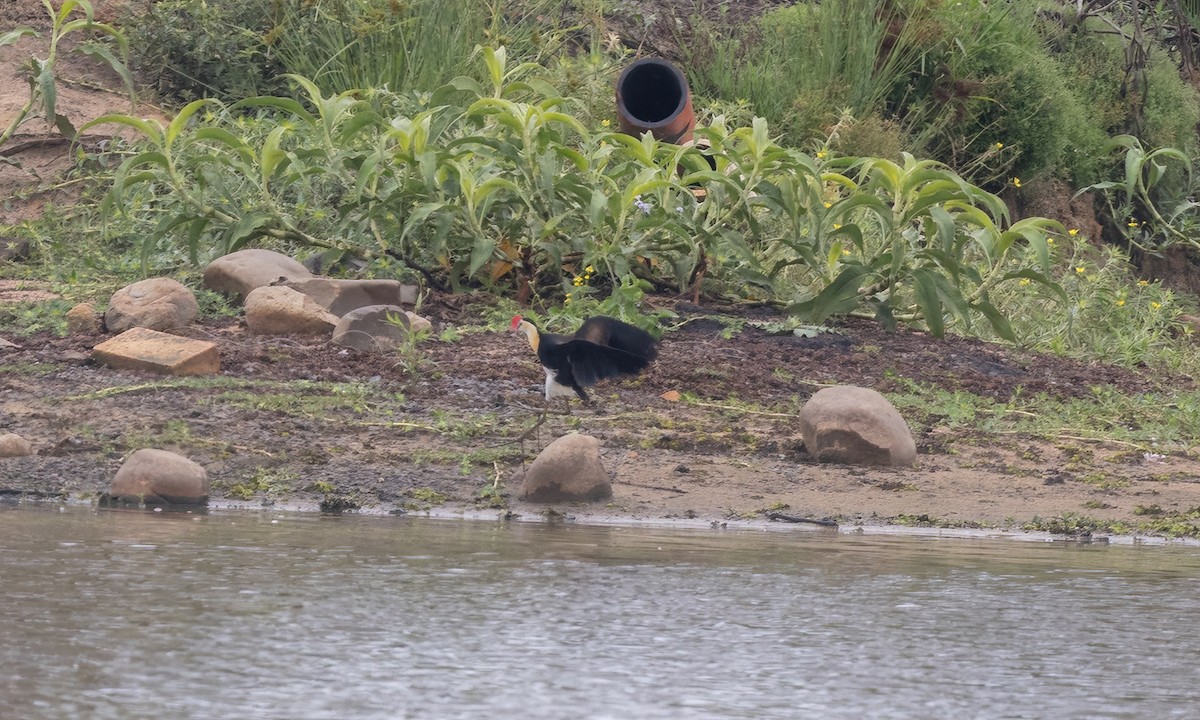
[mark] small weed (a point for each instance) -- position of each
(1102, 481)
(264, 480)
(428, 496)
(491, 497)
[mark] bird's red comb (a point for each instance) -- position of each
(516, 321)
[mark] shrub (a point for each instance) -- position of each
(188, 49)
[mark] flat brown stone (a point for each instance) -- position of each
(144, 349)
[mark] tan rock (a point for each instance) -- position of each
(154, 351)
(13, 445)
(417, 323)
(157, 303)
(240, 272)
(568, 470)
(280, 310)
(159, 476)
(82, 320)
(856, 426)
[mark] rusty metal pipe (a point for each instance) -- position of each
(653, 95)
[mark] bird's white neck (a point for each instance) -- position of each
(531, 334)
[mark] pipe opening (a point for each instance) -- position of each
(652, 92)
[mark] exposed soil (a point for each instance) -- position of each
(365, 432)
(368, 434)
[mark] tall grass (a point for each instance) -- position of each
(417, 44)
(345, 44)
(807, 64)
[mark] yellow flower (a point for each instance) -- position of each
(1073, 232)
(828, 205)
(605, 122)
(568, 299)
(1143, 283)
(589, 269)
(837, 226)
(1132, 223)
(821, 154)
(845, 251)
(1016, 182)
(1023, 281)
(1079, 269)
(1049, 241)
(999, 145)
(1121, 302)
(578, 281)
(1155, 305)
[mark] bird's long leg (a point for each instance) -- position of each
(541, 419)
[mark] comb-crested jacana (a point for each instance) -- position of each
(602, 348)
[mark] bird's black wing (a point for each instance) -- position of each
(613, 333)
(590, 363)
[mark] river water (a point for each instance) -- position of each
(110, 614)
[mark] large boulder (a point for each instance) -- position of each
(279, 310)
(375, 328)
(856, 426)
(340, 296)
(158, 476)
(240, 272)
(157, 303)
(568, 470)
(13, 445)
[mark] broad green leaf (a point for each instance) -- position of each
(233, 142)
(944, 228)
(16, 34)
(179, 122)
(195, 230)
(928, 300)
(44, 77)
(245, 228)
(279, 103)
(272, 155)
(151, 130)
(839, 297)
(65, 128)
(483, 251)
(96, 51)
(999, 323)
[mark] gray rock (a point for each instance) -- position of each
(375, 328)
(568, 470)
(279, 310)
(341, 296)
(159, 476)
(83, 320)
(856, 426)
(240, 272)
(13, 445)
(155, 303)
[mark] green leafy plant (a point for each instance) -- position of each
(43, 80)
(495, 184)
(1151, 206)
